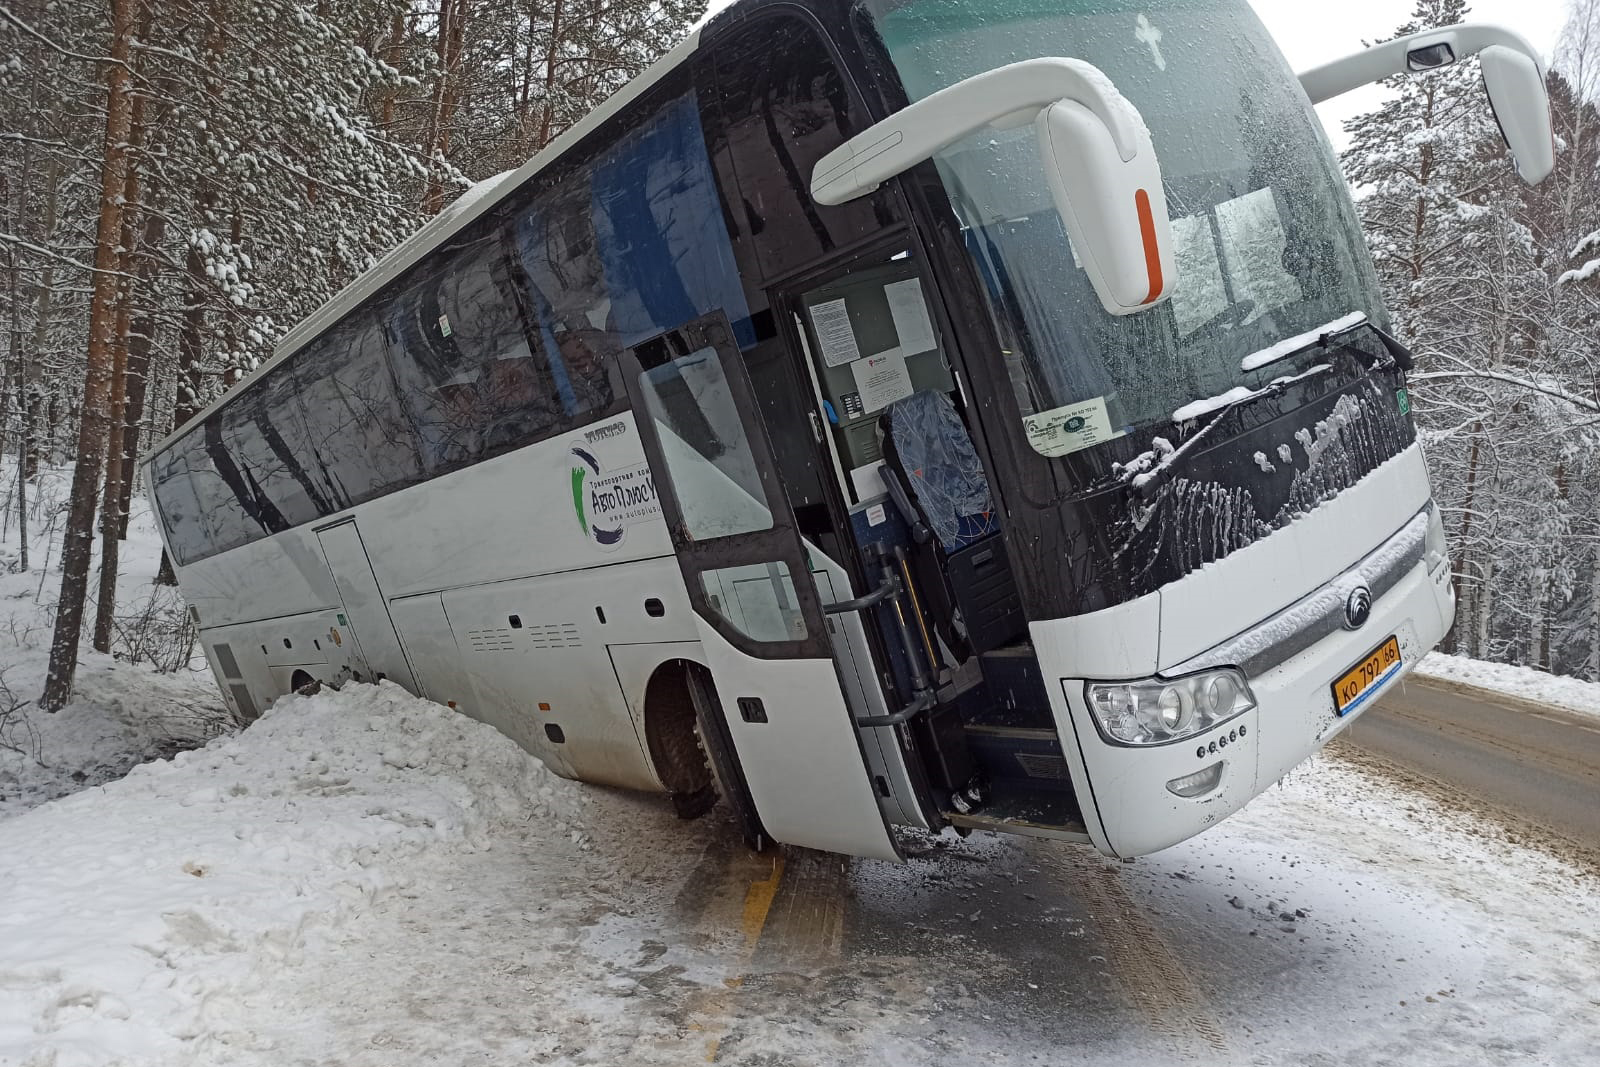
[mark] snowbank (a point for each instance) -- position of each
(1525, 683)
(130, 908)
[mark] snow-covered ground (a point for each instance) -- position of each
(124, 712)
(364, 878)
(1573, 694)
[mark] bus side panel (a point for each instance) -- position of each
(536, 652)
(256, 663)
(581, 499)
(281, 576)
(513, 516)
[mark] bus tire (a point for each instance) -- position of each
(725, 767)
(670, 735)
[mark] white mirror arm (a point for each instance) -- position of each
(1392, 57)
(1005, 98)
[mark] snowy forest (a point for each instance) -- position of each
(180, 182)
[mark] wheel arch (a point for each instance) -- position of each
(671, 739)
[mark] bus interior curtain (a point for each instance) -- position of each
(662, 238)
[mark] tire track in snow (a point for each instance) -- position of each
(806, 924)
(1139, 960)
(1516, 827)
(728, 897)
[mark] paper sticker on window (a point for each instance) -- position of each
(910, 314)
(882, 379)
(837, 337)
(1069, 429)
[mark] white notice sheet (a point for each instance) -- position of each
(882, 379)
(910, 313)
(838, 340)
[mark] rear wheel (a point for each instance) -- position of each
(712, 727)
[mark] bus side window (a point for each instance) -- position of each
(660, 232)
(253, 427)
(350, 423)
(557, 258)
(448, 332)
(179, 508)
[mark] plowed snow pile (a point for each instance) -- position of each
(130, 908)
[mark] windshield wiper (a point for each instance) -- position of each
(1149, 480)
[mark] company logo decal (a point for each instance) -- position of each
(1357, 607)
(607, 502)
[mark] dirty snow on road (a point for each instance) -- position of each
(366, 878)
(1525, 683)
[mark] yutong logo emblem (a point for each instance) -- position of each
(608, 502)
(1357, 608)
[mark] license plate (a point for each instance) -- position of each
(1357, 683)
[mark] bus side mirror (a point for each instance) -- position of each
(1512, 76)
(1099, 163)
(1521, 107)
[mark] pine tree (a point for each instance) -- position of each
(1470, 260)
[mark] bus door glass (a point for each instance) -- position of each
(757, 609)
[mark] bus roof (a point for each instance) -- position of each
(477, 200)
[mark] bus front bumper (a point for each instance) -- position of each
(1130, 795)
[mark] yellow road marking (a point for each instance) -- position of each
(758, 898)
(757, 902)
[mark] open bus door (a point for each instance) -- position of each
(756, 605)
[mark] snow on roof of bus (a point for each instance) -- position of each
(468, 206)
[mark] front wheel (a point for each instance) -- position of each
(712, 726)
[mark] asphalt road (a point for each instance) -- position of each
(1538, 765)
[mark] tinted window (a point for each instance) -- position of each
(503, 337)
(356, 441)
(559, 258)
(662, 239)
(785, 106)
(474, 376)
(225, 517)
(254, 425)
(180, 511)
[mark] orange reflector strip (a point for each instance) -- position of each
(543, 706)
(1152, 250)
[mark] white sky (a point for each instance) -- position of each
(1312, 32)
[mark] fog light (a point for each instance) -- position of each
(1199, 783)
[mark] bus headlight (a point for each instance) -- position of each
(1158, 711)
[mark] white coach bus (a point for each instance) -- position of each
(900, 413)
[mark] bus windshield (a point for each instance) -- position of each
(1267, 242)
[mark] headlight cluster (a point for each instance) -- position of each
(1155, 712)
